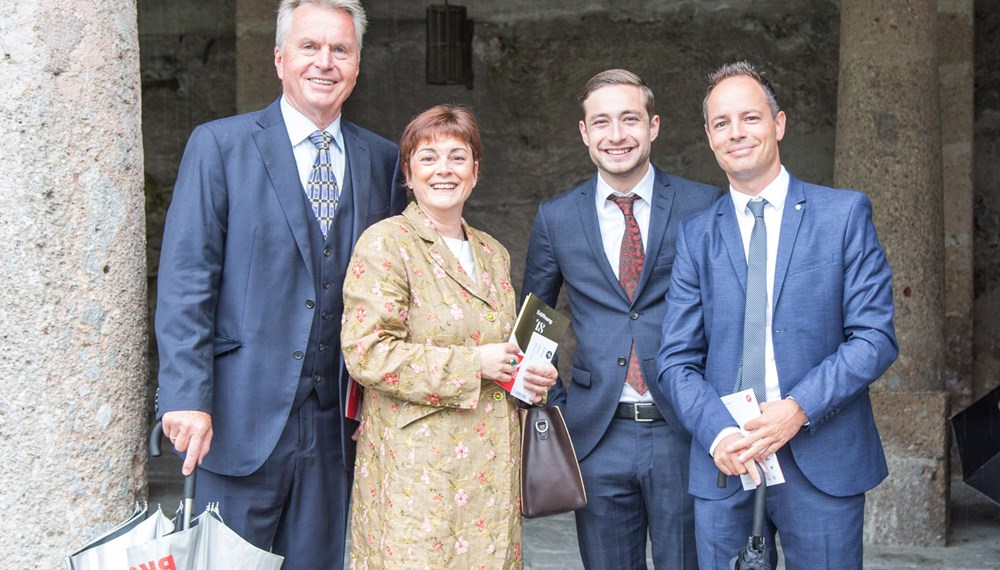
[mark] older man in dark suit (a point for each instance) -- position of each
(610, 240)
(265, 212)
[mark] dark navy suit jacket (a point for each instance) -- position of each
(566, 248)
(236, 278)
(832, 332)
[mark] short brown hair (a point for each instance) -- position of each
(443, 120)
(740, 69)
(611, 77)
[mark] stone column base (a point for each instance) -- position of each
(910, 508)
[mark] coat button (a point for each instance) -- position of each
(498, 396)
(326, 252)
(326, 284)
(310, 304)
(622, 361)
(321, 347)
(317, 378)
(633, 315)
(491, 317)
(297, 354)
(325, 316)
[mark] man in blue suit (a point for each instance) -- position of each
(610, 240)
(265, 213)
(825, 334)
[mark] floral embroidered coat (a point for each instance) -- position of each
(437, 473)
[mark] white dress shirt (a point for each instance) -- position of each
(462, 251)
(299, 128)
(775, 194)
(612, 224)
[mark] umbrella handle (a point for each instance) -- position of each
(760, 495)
(156, 450)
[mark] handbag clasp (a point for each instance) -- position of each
(542, 427)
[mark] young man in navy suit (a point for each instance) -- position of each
(265, 212)
(819, 333)
(610, 241)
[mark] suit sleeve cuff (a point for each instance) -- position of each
(722, 435)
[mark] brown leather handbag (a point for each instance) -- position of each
(550, 474)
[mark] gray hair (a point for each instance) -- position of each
(739, 69)
(611, 77)
(352, 7)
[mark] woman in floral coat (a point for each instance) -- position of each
(428, 310)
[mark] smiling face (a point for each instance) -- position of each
(319, 62)
(619, 132)
(743, 134)
(442, 173)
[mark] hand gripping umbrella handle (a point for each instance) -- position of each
(155, 450)
(759, 499)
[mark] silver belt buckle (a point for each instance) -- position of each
(635, 412)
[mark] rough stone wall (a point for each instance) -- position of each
(986, 328)
(187, 50)
(72, 276)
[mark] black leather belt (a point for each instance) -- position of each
(638, 412)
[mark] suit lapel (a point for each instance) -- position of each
(442, 257)
(356, 150)
(276, 153)
(730, 230)
(791, 219)
(659, 216)
(586, 208)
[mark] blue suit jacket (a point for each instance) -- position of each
(236, 271)
(566, 247)
(832, 331)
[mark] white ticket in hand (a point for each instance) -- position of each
(743, 407)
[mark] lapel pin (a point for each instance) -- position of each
(798, 206)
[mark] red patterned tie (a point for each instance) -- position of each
(629, 269)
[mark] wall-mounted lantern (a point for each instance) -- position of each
(449, 46)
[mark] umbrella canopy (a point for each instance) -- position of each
(207, 545)
(108, 550)
(977, 434)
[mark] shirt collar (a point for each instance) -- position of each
(300, 127)
(642, 189)
(775, 193)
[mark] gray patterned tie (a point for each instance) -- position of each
(755, 315)
(322, 185)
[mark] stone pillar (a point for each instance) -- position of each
(955, 68)
(72, 276)
(257, 83)
(889, 145)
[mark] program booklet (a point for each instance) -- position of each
(537, 331)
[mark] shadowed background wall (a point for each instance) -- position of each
(531, 58)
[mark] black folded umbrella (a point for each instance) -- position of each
(977, 434)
